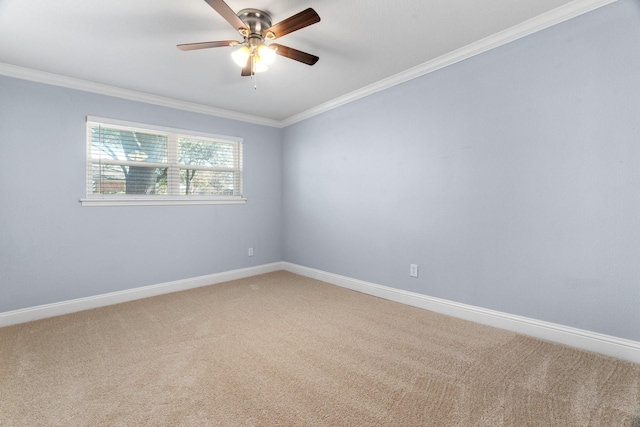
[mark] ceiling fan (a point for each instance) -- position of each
(255, 26)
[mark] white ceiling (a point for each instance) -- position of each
(131, 44)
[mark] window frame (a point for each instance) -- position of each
(172, 165)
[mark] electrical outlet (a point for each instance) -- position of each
(413, 270)
(250, 251)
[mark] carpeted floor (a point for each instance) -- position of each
(284, 350)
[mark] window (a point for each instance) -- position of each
(136, 164)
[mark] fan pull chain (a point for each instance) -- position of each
(253, 72)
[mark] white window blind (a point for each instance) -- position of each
(131, 163)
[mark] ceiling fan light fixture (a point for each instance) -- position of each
(259, 66)
(241, 56)
(267, 54)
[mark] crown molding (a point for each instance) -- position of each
(102, 89)
(539, 23)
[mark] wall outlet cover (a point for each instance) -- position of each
(413, 270)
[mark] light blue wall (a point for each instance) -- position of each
(52, 249)
(511, 178)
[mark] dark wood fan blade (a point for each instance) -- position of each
(300, 20)
(246, 70)
(207, 45)
(228, 14)
(295, 54)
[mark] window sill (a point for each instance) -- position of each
(160, 201)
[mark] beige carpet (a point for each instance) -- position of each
(284, 350)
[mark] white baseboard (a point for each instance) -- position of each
(586, 340)
(591, 341)
(65, 307)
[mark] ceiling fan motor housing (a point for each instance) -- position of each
(257, 20)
